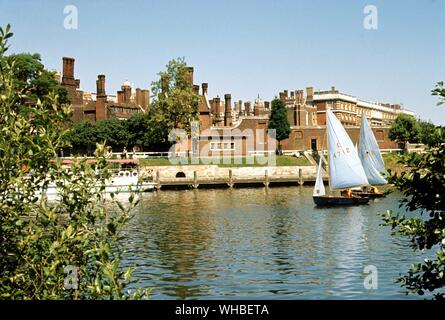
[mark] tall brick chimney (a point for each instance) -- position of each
(145, 94)
(120, 96)
(189, 75)
(205, 87)
(196, 89)
(247, 108)
(228, 109)
(217, 102)
(101, 98)
(68, 71)
(126, 88)
(138, 97)
(213, 107)
(240, 107)
(309, 93)
(100, 85)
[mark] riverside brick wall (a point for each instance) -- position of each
(215, 172)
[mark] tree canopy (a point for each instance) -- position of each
(175, 105)
(423, 185)
(278, 120)
(405, 129)
(31, 77)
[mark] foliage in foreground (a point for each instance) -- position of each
(52, 250)
(423, 185)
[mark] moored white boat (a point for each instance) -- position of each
(125, 179)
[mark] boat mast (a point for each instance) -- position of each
(327, 161)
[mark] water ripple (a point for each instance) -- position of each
(262, 244)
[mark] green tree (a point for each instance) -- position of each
(428, 133)
(113, 132)
(139, 127)
(423, 185)
(82, 135)
(31, 77)
(279, 122)
(404, 129)
(65, 249)
(439, 91)
(175, 105)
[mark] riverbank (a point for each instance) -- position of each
(257, 161)
(201, 176)
(390, 160)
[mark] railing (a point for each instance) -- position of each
(141, 155)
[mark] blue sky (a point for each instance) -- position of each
(247, 47)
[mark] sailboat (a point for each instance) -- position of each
(345, 168)
(371, 158)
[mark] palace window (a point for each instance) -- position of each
(222, 146)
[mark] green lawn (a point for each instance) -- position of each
(234, 162)
(390, 158)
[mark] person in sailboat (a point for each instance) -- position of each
(374, 190)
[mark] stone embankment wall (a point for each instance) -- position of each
(214, 171)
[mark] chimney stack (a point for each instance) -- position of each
(189, 75)
(228, 109)
(68, 71)
(217, 102)
(145, 94)
(196, 89)
(101, 98)
(138, 97)
(120, 96)
(126, 89)
(309, 93)
(205, 87)
(100, 85)
(247, 108)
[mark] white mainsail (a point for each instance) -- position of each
(345, 167)
(370, 156)
(319, 189)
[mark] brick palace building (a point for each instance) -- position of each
(222, 117)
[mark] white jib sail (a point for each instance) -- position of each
(370, 156)
(319, 189)
(345, 167)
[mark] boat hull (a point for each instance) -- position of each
(339, 201)
(52, 190)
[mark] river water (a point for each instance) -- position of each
(260, 243)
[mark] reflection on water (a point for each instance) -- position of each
(262, 244)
